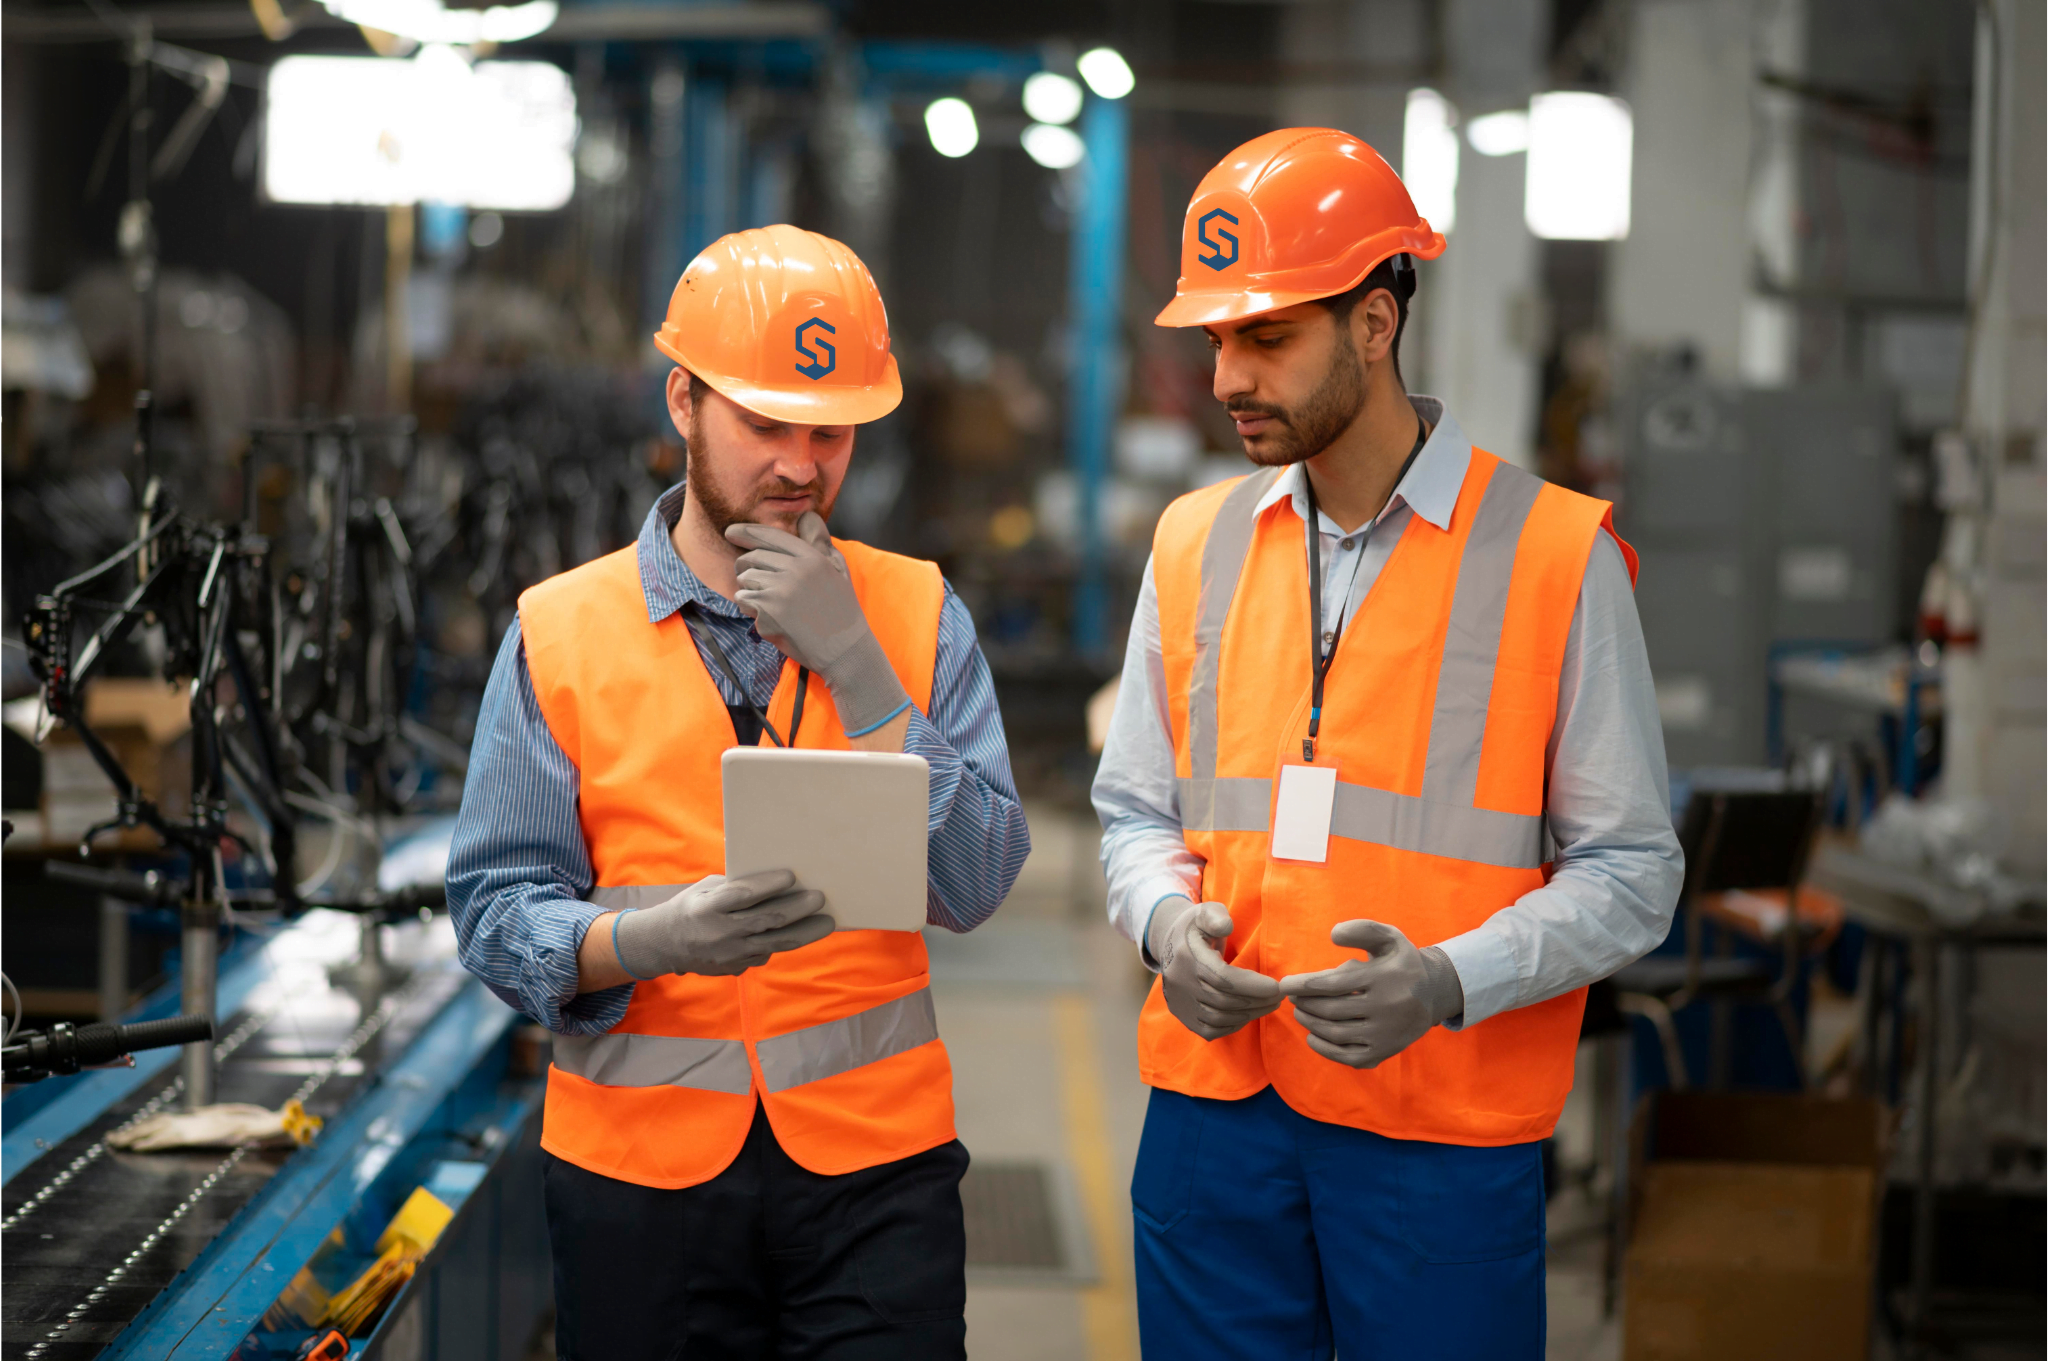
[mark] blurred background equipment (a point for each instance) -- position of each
(325, 334)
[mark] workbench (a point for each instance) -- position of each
(1916, 920)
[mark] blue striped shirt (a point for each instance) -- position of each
(519, 869)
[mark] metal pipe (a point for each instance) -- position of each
(198, 975)
(398, 247)
(113, 970)
(1095, 288)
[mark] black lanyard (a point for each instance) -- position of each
(1319, 662)
(707, 640)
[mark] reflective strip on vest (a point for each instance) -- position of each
(1443, 820)
(628, 1060)
(625, 1059)
(1223, 555)
(1464, 679)
(822, 1051)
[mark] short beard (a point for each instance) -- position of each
(1323, 415)
(724, 513)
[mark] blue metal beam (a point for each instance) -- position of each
(710, 163)
(1095, 377)
(942, 65)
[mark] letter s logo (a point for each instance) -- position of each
(817, 365)
(1216, 259)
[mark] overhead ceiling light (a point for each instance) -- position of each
(1499, 134)
(1577, 187)
(950, 123)
(429, 21)
(1429, 157)
(365, 130)
(1107, 73)
(1052, 98)
(1054, 147)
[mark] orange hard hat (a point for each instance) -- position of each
(1295, 215)
(788, 324)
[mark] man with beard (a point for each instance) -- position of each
(749, 1120)
(1383, 791)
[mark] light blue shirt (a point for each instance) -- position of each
(519, 869)
(1618, 866)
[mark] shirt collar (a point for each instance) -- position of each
(1429, 488)
(664, 576)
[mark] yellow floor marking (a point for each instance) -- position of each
(1108, 1309)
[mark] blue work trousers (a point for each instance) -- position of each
(1263, 1235)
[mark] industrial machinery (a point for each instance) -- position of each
(426, 1088)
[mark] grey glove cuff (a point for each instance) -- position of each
(1442, 991)
(865, 688)
(1165, 918)
(637, 943)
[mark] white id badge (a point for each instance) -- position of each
(1301, 815)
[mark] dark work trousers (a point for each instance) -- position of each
(765, 1260)
(1319, 1240)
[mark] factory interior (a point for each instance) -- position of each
(329, 335)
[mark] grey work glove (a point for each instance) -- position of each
(1210, 997)
(796, 588)
(721, 926)
(1365, 1011)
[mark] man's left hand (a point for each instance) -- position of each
(1365, 1011)
(796, 588)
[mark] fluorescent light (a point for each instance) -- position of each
(1499, 134)
(429, 21)
(1578, 171)
(1052, 98)
(364, 130)
(950, 122)
(1429, 157)
(1055, 148)
(1107, 73)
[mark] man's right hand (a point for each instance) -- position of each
(721, 926)
(1210, 997)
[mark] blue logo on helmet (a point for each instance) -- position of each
(824, 358)
(1226, 240)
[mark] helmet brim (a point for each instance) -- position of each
(1210, 309)
(1211, 306)
(810, 404)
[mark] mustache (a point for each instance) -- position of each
(782, 486)
(1238, 409)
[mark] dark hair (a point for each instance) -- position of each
(698, 387)
(1396, 274)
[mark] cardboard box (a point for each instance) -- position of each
(1753, 1227)
(146, 724)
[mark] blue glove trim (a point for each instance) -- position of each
(616, 916)
(884, 722)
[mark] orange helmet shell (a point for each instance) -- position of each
(1295, 215)
(787, 323)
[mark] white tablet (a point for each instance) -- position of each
(850, 824)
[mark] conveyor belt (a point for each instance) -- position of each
(92, 1236)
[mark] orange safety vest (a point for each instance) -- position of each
(1437, 714)
(838, 1039)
